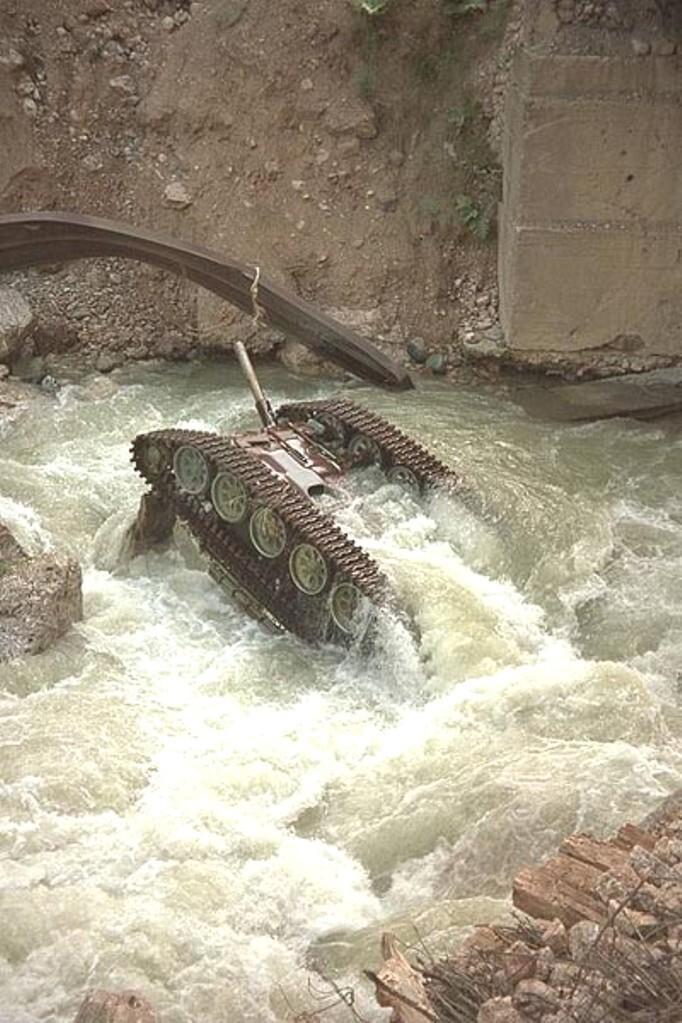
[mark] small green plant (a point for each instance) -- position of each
(466, 114)
(474, 217)
(372, 7)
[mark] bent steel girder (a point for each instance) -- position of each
(29, 239)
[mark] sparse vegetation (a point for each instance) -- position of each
(475, 218)
(465, 113)
(372, 7)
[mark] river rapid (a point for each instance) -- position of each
(227, 820)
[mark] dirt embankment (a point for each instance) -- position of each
(346, 155)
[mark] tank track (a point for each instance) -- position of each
(395, 448)
(263, 585)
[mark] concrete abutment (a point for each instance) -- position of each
(590, 253)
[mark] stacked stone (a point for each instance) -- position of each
(602, 941)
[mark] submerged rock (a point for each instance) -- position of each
(40, 598)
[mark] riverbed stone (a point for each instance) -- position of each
(40, 598)
(297, 358)
(437, 362)
(16, 319)
(418, 350)
(177, 196)
(499, 1010)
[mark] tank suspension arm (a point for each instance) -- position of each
(263, 406)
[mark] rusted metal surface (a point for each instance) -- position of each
(29, 239)
(389, 447)
(280, 468)
(262, 584)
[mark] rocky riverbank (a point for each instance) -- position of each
(598, 940)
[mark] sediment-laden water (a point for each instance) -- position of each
(227, 820)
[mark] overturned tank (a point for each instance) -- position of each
(251, 503)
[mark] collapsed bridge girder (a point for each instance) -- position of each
(29, 239)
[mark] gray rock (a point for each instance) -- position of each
(299, 359)
(495, 334)
(123, 83)
(534, 998)
(16, 319)
(386, 201)
(437, 363)
(498, 1010)
(640, 47)
(581, 939)
(229, 12)
(481, 347)
(11, 58)
(40, 598)
(177, 196)
(417, 350)
(108, 361)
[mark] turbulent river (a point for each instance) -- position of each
(226, 820)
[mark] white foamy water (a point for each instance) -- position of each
(226, 820)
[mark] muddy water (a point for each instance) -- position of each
(227, 821)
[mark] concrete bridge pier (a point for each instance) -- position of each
(590, 253)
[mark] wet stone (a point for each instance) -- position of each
(417, 350)
(437, 363)
(108, 361)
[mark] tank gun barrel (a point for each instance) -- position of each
(263, 406)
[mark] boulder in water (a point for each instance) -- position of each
(40, 598)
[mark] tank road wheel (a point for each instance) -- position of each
(229, 497)
(308, 569)
(334, 430)
(363, 450)
(347, 604)
(191, 469)
(401, 474)
(153, 459)
(267, 531)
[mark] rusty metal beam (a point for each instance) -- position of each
(29, 239)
